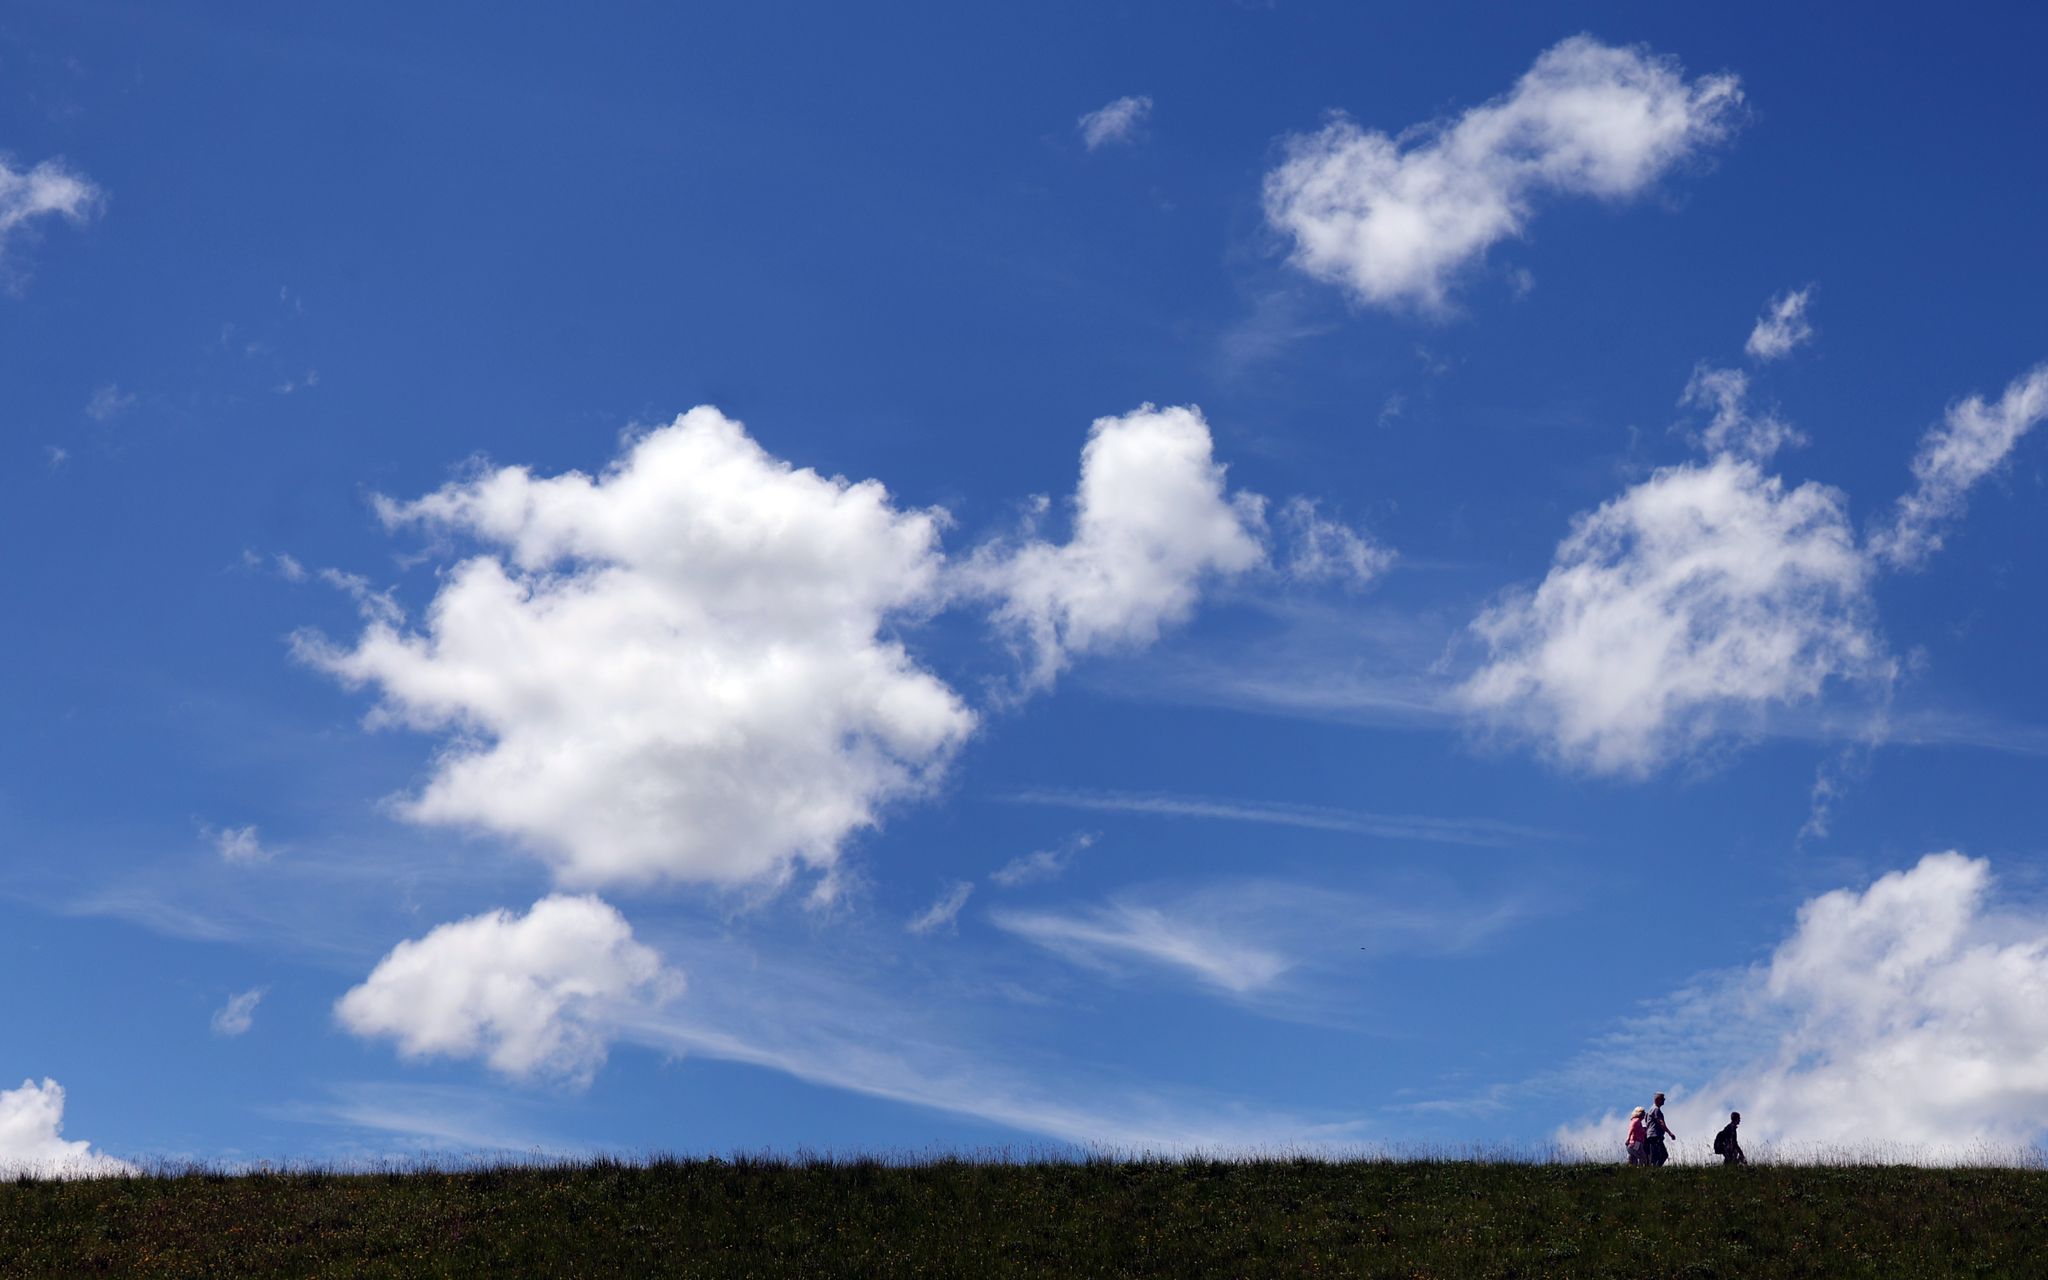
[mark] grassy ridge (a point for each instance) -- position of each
(1191, 1218)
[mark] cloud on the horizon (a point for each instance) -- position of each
(1973, 440)
(533, 996)
(1680, 610)
(49, 190)
(1118, 121)
(32, 1138)
(1782, 327)
(750, 710)
(1152, 525)
(1906, 1019)
(1395, 220)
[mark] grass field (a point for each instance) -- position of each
(965, 1218)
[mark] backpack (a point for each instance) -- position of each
(1723, 1140)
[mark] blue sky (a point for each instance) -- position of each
(1159, 576)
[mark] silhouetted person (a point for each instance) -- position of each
(1653, 1141)
(1725, 1145)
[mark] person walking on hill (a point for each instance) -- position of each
(1653, 1144)
(1638, 1138)
(1725, 1145)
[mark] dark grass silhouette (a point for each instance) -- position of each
(995, 1216)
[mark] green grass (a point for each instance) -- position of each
(963, 1218)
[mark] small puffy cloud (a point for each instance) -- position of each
(1782, 326)
(1973, 441)
(1325, 551)
(48, 190)
(1680, 609)
(1733, 428)
(32, 1141)
(109, 402)
(534, 995)
(1906, 1019)
(1119, 121)
(1394, 219)
(944, 911)
(1041, 864)
(1152, 525)
(241, 845)
(681, 669)
(239, 1014)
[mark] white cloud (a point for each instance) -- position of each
(1782, 326)
(1678, 610)
(1117, 122)
(1972, 442)
(849, 1022)
(1394, 219)
(242, 846)
(109, 402)
(1041, 864)
(1242, 937)
(943, 912)
(239, 1014)
(677, 670)
(533, 995)
(1105, 936)
(1320, 550)
(1908, 1020)
(32, 1142)
(1733, 428)
(48, 190)
(1152, 524)
(1481, 832)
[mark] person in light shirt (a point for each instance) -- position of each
(1638, 1139)
(1653, 1140)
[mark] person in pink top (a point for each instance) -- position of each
(1638, 1138)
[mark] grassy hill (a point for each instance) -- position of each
(960, 1218)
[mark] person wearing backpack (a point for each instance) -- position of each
(1725, 1145)
(1653, 1140)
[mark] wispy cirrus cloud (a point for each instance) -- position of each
(1041, 864)
(1246, 938)
(1974, 439)
(1114, 122)
(1108, 936)
(239, 1014)
(1782, 327)
(1482, 832)
(944, 911)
